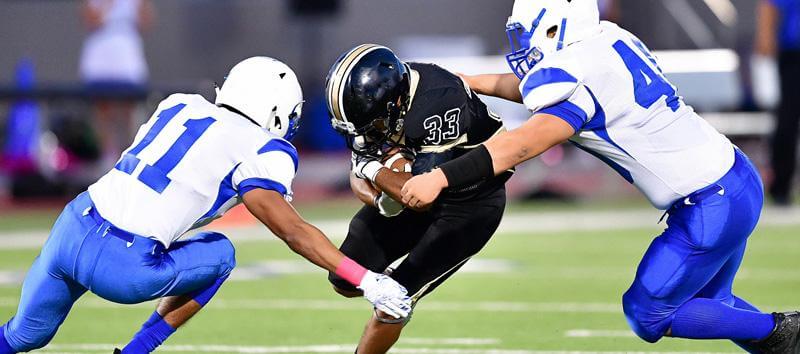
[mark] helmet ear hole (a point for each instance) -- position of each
(276, 120)
(551, 32)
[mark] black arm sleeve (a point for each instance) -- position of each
(470, 168)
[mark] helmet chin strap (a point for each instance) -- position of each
(234, 110)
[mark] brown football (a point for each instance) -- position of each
(398, 163)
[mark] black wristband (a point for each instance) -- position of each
(469, 168)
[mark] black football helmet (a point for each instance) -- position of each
(368, 93)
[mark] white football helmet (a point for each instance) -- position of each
(266, 91)
(532, 20)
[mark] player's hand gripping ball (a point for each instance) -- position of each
(396, 161)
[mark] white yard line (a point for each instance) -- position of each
(331, 348)
(500, 267)
(529, 222)
(599, 333)
(357, 305)
(450, 341)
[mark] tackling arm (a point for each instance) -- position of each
(501, 153)
(505, 86)
(534, 137)
(282, 219)
(306, 240)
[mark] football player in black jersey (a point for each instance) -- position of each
(388, 109)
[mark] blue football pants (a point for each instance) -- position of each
(81, 254)
(699, 253)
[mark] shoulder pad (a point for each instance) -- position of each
(185, 98)
(546, 87)
(278, 144)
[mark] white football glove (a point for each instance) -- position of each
(365, 167)
(387, 206)
(386, 295)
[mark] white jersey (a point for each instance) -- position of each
(611, 90)
(189, 164)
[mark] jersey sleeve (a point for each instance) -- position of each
(272, 168)
(557, 92)
(438, 119)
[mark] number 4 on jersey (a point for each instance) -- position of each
(648, 85)
(155, 176)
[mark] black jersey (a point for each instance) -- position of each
(446, 119)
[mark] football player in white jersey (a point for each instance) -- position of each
(190, 163)
(597, 86)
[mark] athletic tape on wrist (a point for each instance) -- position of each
(351, 271)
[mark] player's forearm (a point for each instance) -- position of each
(391, 182)
(504, 86)
(530, 140)
(363, 190)
(310, 243)
(511, 149)
(283, 220)
(504, 151)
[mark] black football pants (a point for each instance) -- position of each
(438, 242)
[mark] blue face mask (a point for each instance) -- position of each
(522, 57)
(294, 122)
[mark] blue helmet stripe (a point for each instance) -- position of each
(537, 20)
(561, 36)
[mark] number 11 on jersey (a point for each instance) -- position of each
(155, 176)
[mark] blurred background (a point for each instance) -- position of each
(78, 77)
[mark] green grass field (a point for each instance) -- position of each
(526, 293)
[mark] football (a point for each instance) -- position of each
(398, 163)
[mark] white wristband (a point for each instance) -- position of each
(371, 169)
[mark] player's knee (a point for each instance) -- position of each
(643, 317)
(384, 318)
(229, 258)
(225, 250)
